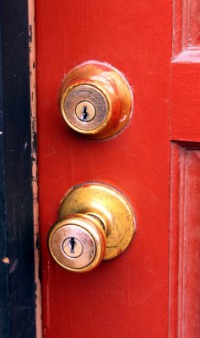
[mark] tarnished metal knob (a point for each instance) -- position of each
(78, 242)
(96, 222)
(96, 100)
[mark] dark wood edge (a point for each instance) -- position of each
(17, 286)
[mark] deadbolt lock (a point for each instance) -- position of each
(96, 222)
(95, 100)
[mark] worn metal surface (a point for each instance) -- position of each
(100, 217)
(74, 97)
(88, 230)
(106, 89)
(109, 205)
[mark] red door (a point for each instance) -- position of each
(151, 290)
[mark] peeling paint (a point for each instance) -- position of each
(32, 62)
(34, 141)
(37, 242)
(30, 33)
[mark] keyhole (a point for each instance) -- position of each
(72, 247)
(85, 111)
(84, 114)
(72, 244)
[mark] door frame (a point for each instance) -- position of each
(19, 284)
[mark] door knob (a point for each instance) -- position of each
(96, 222)
(96, 100)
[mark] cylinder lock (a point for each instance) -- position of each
(96, 100)
(96, 222)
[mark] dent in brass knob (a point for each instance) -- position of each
(96, 222)
(96, 100)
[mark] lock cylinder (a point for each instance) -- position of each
(96, 100)
(96, 222)
(85, 108)
(78, 242)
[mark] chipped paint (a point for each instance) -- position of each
(32, 63)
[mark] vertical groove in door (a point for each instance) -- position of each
(185, 242)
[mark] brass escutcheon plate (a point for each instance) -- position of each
(108, 204)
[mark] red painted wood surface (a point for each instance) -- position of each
(185, 173)
(185, 243)
(129, 296)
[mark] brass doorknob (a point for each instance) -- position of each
(96, 222)
(96, 100)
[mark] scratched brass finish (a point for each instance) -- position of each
(91, 243)
(92, 96)
(105, 88)
(111, 206)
